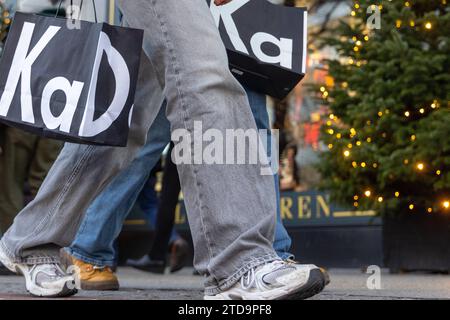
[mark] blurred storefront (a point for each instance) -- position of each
(322, 232)
(304, 115)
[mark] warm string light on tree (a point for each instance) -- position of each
(5, 21)
(347, 153)
(374, 148)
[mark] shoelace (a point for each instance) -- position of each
(102, 268)
(52, 270)
(249, 279)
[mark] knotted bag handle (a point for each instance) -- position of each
(81, 6)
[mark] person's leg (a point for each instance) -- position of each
(16, 152)
(231, 208)
(47, 151)
(148, 201)
(163, 223)
(164, 226)
(18, 149)
(282, 243)
(174, 236)
(166, 236)
(150, 204)
(94, 242)
(79, 174)
(166, 213)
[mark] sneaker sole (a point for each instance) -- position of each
(315, 285)
(14, 267)
(65, 293)
(7, 273)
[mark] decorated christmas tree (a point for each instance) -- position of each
(5, 21)
(388, 132)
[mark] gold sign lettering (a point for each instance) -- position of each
(304, 207)
(285, 208)
(179, 218)
(322, 206)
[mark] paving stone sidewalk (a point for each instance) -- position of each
(345, 285)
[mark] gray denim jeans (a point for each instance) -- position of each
(231, 208)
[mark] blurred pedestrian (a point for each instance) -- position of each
(165, 236)
(160, 213)
(25, 160)
(288, 169)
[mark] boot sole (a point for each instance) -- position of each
(100, 286)
(156, 270)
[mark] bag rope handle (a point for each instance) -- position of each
(81, 6)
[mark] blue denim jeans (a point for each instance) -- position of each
(148, 201)
(103, 222)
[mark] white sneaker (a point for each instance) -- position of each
(278, 280)
(42, 280)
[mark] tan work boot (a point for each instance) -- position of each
(91, 278)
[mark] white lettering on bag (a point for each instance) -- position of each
(72, 92)
(21, 68)
(224, 13)
(285, 45)
(90, 127)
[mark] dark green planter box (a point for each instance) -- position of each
(417, 242)
(336, 237)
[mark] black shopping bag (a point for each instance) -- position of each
(266, 43)
(71, 83)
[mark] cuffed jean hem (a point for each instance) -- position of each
(85, 258)
(280, 249)
(286, 256)
(32, 260)
(233, 279)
